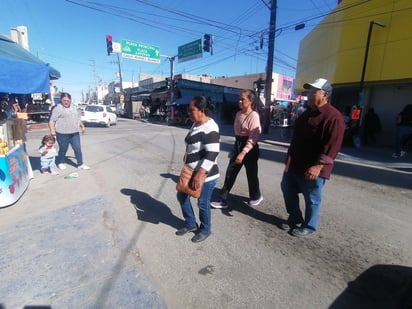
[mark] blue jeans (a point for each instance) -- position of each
(402, 134)
(64, 140)
(311, 190)
(204, 207)
(47, 163)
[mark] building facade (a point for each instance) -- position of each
(282, 86)
(362, 48)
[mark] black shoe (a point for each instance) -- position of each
(185, 230)
(200, 237)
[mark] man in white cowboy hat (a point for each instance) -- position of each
(316, 141)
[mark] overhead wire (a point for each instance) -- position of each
(114, 10)
(238, 41)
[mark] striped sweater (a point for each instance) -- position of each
(202, 148)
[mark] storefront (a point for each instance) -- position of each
(21, 73)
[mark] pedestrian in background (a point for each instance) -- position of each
(48, 155)
(202, 149)
(403, 131)
(316, 141)
(64, 124)
(8, 106)
(372, 127)
(245, 151)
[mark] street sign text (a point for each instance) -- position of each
(140, 51)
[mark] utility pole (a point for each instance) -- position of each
(120, 74)
(269, 67)
(172, 83)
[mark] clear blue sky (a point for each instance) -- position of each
(70, 35)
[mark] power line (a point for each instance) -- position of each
(233, 46)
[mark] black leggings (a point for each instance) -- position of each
(250, 162)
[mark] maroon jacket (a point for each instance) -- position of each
(317, 139)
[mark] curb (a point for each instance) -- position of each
(36, 126)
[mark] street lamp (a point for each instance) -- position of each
(365, 60)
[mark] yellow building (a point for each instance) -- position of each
(363, 46)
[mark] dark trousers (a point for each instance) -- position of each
(250, 162)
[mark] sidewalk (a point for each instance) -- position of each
(377, 156)
(37, 125)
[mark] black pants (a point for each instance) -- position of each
(250, 162)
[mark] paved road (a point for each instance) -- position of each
(106, 239)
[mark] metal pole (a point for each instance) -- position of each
(171, 59)
(361, 98)
(120, 73)
(365, 60)
(269, 68)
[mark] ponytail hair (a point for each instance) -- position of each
(203, 104)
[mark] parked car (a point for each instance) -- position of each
(98, 114)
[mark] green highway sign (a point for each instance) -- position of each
(140, 51)
(189, 51)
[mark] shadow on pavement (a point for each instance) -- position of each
(173, 177)
(373, 175)
(151, 210)
(35, 164)
(239, 203)
(380, 286)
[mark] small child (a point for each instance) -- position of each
(48, 155)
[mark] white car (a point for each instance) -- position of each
(98, 114)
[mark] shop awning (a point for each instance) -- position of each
(21, 72)
(162, 95)
(231, 98)
(183, 101)
(215, 97)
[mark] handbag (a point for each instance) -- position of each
(183, 182)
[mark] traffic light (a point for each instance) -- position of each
(208, 43)
(167, 82)
(259, 86)
(109, 44)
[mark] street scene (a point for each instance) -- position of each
(238, 154)
(107, 238)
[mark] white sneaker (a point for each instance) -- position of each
(61, 166)
(84, 167)
(219, 204)
(256, 202)
(399, 155)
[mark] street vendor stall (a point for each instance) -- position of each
(21, 73)
(15, 168)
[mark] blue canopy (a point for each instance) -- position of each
(21, 72)
(183, 101)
